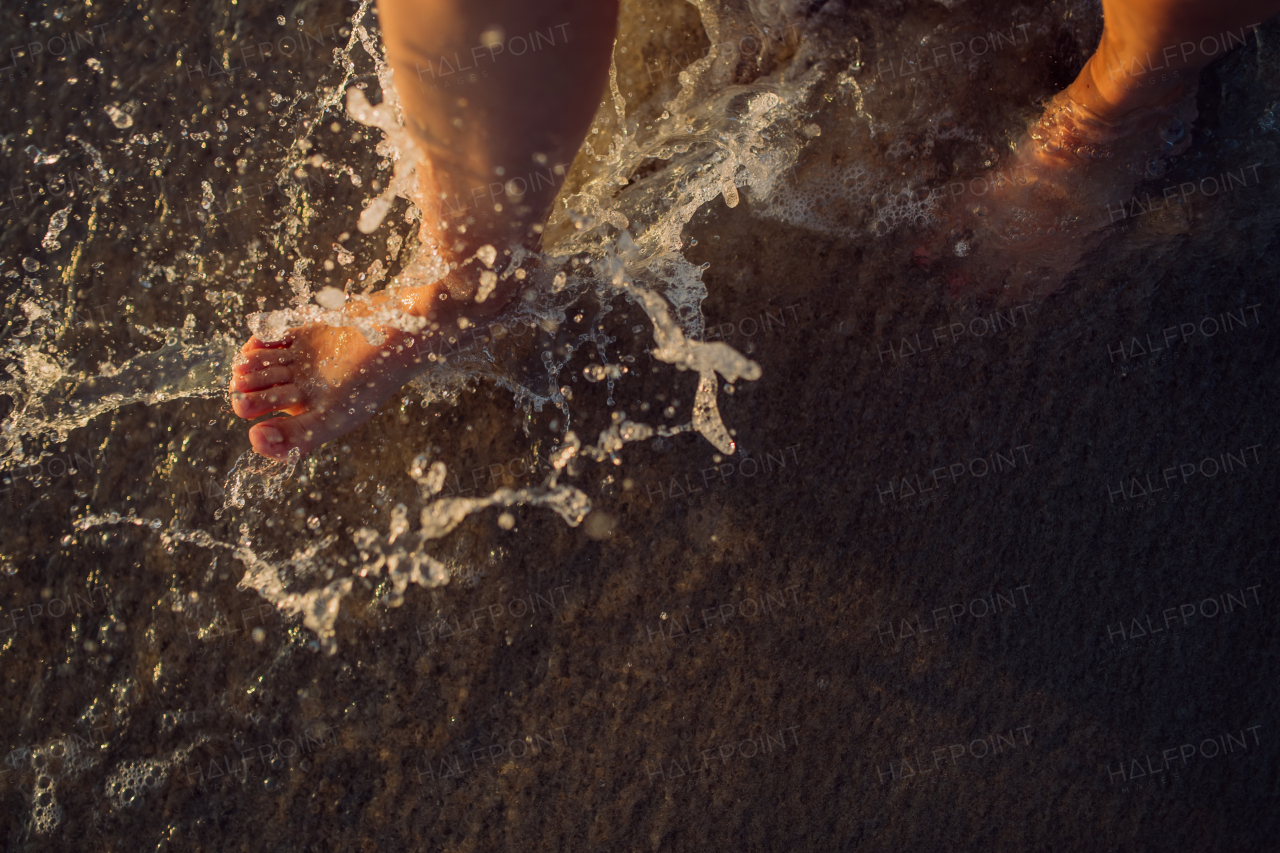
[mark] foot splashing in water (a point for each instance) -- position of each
(413, 396)
(454, 317)
(770, 111)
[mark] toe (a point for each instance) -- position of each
(254, 404)
(277, 437)
(261, 379)
(253, 361)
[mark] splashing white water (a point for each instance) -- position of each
(616, 236)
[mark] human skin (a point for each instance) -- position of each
(522, 114)
(1129, 110)
(1135, 36)
(525, 113)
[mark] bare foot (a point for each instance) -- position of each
(330, 379)
(328, 376)
(1021, 230)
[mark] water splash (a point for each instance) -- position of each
(57, 224)
(617, 235)
(51, 399)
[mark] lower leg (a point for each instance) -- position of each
(1130, 108)
(497, 151)
(1152, 50)
(500, 94)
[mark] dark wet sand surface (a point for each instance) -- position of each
(809, 656)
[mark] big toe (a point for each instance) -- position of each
(276, 438)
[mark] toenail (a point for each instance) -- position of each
(272, 435)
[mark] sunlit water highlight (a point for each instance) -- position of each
(801, 125)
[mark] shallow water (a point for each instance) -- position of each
(673, 556)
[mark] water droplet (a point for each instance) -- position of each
(119, 117)
(331, 298)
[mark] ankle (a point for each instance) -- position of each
(1118, 81)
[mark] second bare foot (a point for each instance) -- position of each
(1032, 222)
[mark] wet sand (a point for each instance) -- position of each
(982, 587)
